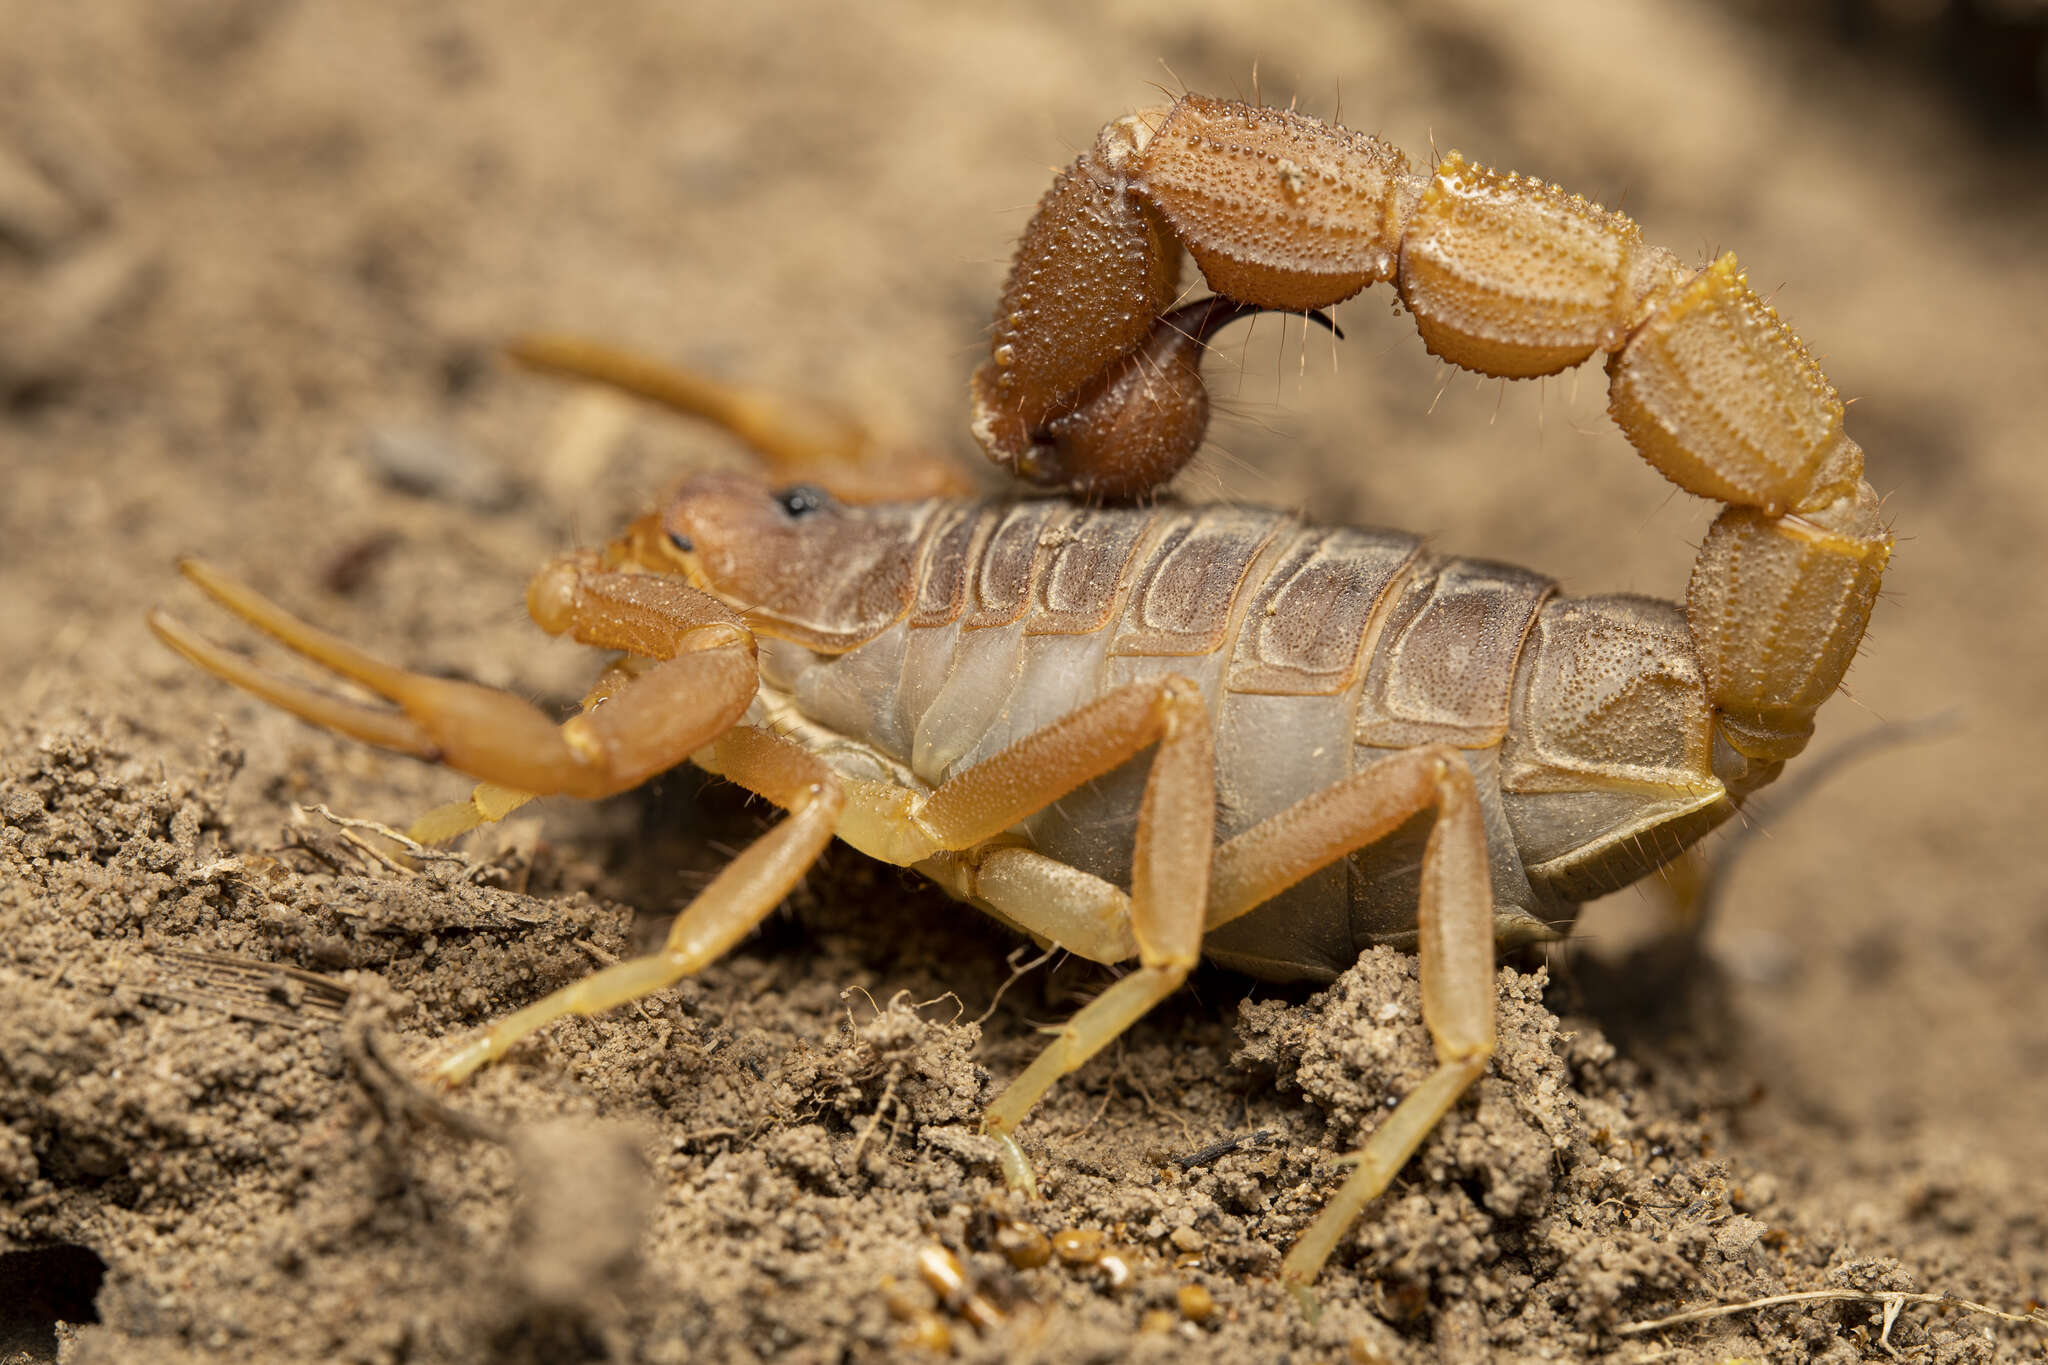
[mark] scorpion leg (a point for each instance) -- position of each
(1170, 863)
(1169, 876)
(491, 802)
(800, 441)
(736, 901)
(1456, 944)
(700, 685)
(1054, 902)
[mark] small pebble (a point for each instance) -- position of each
(430, 465)
(1077, 1246)
(929, 1332)
(1023, 1246)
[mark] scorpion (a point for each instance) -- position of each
(1147, 730)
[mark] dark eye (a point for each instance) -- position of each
(681, 542)
(802, 500)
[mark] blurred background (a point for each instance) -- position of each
(256, 256)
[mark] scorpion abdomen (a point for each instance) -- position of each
(1320, 651)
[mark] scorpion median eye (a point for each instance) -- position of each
(801, 500)
(681, 542)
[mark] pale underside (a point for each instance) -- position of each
(1320, 652)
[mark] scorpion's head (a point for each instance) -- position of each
(796, 563)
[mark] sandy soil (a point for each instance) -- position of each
(254, 260)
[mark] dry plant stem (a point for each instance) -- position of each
(394, 1093)
(413, 847)
(1892, 1301)
(1019, 969)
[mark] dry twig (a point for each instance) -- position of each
(1892, 1300)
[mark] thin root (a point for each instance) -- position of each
(1017, 973)
(875, 1119)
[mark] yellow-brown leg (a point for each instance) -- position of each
(801, 441)
(1169, 886)
(1054, 902)
(700, 685)
(1170, 866)
(737, 900)
(491, 802)
(1456, 944)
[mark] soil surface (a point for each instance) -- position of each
(256, 259)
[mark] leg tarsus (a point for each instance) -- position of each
(1455, 944)
(1169, 865)
(1098, 1024)
(1376, 1164)
(738, 898)
(487, 805)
